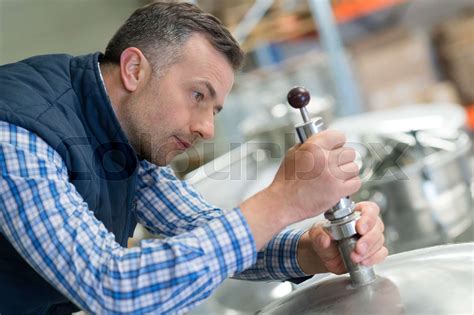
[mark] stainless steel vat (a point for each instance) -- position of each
(416, 164)
(425, 195)
(238, 297)
(435, 280)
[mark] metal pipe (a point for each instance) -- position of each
(251, 19)
(360, 275)
(348, 96)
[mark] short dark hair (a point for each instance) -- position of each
(158, 28)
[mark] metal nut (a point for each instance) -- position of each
(340, 229)
(342, 209)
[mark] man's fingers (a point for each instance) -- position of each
(336, 266)
(320, 239)
(369, 248)
(376, 258)
(327, 250)
(328, 139)
(369, 217)
(367, 207)
(351, 186)
(345, 155)
(371, 228)
(323, 245)
(345, 172)
(366, 248)
(342, 165)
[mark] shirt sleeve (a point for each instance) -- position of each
(49, 224)
(169, 206)
(278, 260)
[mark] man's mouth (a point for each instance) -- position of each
(183, 144)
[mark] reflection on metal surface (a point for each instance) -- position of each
(422, 189)
(237, 297)
(436, 280)
(436, 116)
(338, 296)
(281, 290)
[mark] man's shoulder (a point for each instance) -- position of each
(35, 62)
(46, 66)
(33, 75)
(46, 58)
(35, 81)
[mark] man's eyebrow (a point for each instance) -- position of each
(209, 87)
(212, 92)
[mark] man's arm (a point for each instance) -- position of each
(48, 223)
(169, 206)
(279, 259)
(311, 179)
(298, 253)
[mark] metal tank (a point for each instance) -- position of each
(435, 280)
(417, 166)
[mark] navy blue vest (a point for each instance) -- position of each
(62, 99)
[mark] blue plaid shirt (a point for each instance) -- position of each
(50, 225)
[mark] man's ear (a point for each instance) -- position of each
(134, 68)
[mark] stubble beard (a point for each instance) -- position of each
(156, 149)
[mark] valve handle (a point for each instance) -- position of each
(298, 97)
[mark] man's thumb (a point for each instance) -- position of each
(319, 238)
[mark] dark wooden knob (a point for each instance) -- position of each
(298, 97)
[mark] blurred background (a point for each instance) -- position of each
(396, 75)
(369, 55)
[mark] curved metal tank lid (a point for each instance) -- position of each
(434, 280)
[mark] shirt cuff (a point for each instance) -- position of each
(229, 244)
(281, 259)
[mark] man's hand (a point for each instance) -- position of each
(318, 253)
(315, 175)
(311, 179)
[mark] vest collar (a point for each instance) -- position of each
(96, 106)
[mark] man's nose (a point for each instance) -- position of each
(204, 126)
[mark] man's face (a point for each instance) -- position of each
(171, 112)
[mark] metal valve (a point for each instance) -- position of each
(341, 218)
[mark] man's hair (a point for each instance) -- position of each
(159, 29)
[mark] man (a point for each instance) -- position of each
(84, 144)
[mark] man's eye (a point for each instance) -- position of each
(198, 96)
